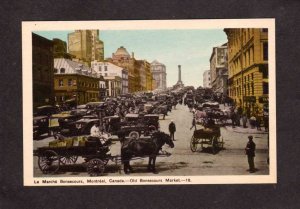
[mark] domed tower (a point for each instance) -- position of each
(120, 54)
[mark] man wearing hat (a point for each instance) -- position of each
(172, 129)
(250, 152)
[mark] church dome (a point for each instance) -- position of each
(122, 52)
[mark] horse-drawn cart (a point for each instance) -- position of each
(50, 158)
(207, 137)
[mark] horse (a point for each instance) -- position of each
(141, 148)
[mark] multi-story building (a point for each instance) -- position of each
(108, 69)
(159, 73)
(73, 80)
(218, 69)
(248, 67)
(102, 87)
(206, 79)
(85, 45)
(97, 46)
(142, 75)
(113, 85)
(60, 49)
(42, 71)
(122, 58)
(149, 76)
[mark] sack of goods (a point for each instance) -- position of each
(76, 141)
(79, 141)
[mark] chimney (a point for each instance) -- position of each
(132, 54)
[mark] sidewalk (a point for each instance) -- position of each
(248, 130)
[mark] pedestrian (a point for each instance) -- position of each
(250, 152)
(194, 123)
(172, 129)
(244, 120)
(95, 135)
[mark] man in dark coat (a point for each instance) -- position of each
(250, 152)
(172, 129)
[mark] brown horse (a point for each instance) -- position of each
(142, 148)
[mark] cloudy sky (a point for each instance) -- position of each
(189, 48)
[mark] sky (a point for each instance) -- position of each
(189, 48)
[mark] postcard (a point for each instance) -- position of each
(155, 102)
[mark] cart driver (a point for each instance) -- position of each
(96, 134)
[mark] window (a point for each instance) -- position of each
(62, 70)
(265, 30)
(265, 88)
(100, 68)
(265, 51)
(74, 82)
(61, 82)
(105, 68)
(55, 70)
(252, 87)
(105, 74)
(69, 82)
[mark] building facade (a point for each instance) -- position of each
(113, 86)
(159, 73)
(108, 69)
(206, 79)
(123, 59)
(73, 80)
(42, 71)
(85, 45)
(60, 49)
(218, 69)
(248, 67)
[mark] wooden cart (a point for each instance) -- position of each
(207, 137)
(96, 157)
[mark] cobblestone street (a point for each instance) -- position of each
(231, 160)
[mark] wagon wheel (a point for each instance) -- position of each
(49, 162)
(68, 159)
(95, 167)
(134, 134)
(193, 144)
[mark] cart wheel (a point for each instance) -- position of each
(193, 144)
(70, 159)
(95, 167)
(49, 162)
(134, 134)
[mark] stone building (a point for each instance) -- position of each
(73, 80)
(159, 73)
(218, 69)
(206, 79)
(85, 45)
(108, 69)
(113, 85)
(60, 49)
(248, 67)
(42, 71)
(123, 59)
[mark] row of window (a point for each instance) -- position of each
(80, 97)
(248, 89)
(72, 82)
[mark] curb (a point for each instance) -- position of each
(246, 132)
